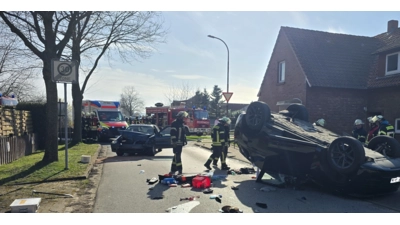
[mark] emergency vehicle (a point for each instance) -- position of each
(198, 121)
(104, 118)
(8, 100)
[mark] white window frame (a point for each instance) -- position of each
(281, 72)
(396, 128)
(398, 64)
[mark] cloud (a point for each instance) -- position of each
(190, 49)
(190, 77)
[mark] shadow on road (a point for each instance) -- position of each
(126, 158)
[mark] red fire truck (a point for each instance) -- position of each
(197, 122)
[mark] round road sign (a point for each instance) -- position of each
(64, 69)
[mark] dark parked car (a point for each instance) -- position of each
(142, 138)
(288, 147)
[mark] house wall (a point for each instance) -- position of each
(295, 83)
(387, 102)
(339, 107)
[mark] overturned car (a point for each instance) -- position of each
(142, 138)
(288, 147)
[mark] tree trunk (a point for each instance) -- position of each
(51, 124)
(77, 103)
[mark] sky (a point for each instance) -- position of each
(191, 58)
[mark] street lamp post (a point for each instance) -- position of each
(227, 76)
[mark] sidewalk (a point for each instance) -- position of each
(233, 151)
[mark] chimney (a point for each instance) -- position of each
(392, 25)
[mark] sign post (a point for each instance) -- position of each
(64, 72)
(227, 96)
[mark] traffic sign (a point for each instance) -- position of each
(64, 71)
(227, 95)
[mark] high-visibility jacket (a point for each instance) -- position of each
(360, 134)
(219, 136)
(178, 134)
(386, 129)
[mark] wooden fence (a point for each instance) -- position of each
(13, 148)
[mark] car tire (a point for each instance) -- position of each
(298, 111)
(257, 114)
(345, 155)
(120, 153)
(151, 151)
(385, 145)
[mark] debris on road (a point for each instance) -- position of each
(158, 197)
(173, 185)
(190, 198)
(218, 200)
(152, 180)
(267, 189)
(215, 196)
(183, 208)
(208, 191)
(262, 205)
(234, 188)
(50, 193)
(185, 185)
(139, 164)
(142, 171)
(230, 209)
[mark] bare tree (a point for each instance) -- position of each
(131, 101)
(45, 33)
(127, 36)
(180, 92)
(17, 66)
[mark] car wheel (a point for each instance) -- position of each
(385, 145)
(257, 114)
(298, 111)
(120, 153)
(151, 151)
(160, 149)
(345, 155)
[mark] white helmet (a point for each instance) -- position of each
(181, 115)
(320, 122)
(358, 122)
(225, 120)
(370, 119)
(380, 117)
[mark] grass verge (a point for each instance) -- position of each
(31, 169)
(195, 138)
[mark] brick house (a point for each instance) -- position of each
(338, 77)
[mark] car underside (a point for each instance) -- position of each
(287, 144)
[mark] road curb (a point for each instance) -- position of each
(81, 177)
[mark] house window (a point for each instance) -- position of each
(397, 126)
(392, 63)
(281, 76)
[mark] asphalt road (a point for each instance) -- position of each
(123, 189)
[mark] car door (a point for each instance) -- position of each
(163, 138)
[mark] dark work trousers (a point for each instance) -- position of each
(177, 160)
(224, 154)
(217, 150)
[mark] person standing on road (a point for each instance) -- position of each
(219, 140)
(359, 132)
(178, 140)
(224, 152)
(373, 129)
(385, 128)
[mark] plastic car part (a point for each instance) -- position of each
(257, 114)
(345, 155)
(298, 111)
(385, 145)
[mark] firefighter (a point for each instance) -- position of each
(385, 128)
(224, 152)
(373, 129)
(219, 140)
(359, 132)
(178, 140)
